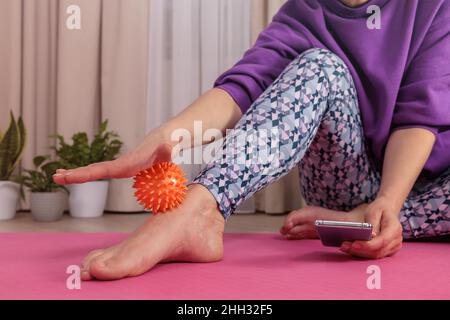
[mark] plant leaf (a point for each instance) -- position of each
(104, 146)
(103, 127)
(23, 140)
(9, 149)
(50, 168)
(39, 160)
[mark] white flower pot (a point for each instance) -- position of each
(88, 200)
(9, 199)
(47, 206)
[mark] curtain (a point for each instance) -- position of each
(64, 79)
(262, 13)
(136, 63)
(192, 42)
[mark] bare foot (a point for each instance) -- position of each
(299, 224)
(192, 233)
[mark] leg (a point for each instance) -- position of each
(193, 233)
(295, 104)
(426, 212)
(336, 174)
(312, 109)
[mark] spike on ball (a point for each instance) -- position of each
(161, 187)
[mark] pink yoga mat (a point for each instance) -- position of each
(256, 266)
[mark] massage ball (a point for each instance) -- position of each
(161, 187)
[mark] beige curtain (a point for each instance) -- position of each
(284, 195)
(64, 80)
(67, 80)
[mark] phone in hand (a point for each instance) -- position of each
(334, 233)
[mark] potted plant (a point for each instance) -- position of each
(88, 200)
(12, 144)
(48, 199)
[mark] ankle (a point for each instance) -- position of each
(204, 198)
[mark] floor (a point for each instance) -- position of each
(255, 266)
(116, 222)
(37, 259)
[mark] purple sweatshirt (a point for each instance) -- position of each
(401, 71)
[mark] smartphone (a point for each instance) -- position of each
(334, 233)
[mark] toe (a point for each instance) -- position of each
(284, 230)
(85, 275)
(91, 256)
(298, 217)
(303, 232)
(95, 256)
(288, 224)
(109, 269)
(86, 264)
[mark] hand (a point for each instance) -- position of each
(387, 232)
(154, 149)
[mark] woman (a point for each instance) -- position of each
(364, 112)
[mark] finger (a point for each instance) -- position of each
(354, 249)
(59, 178)
(373, 216)
(83, 174)
(394, 245)
(345, 246)
(395, 249)
(124, 167)
(368, 249)
(373, 245)
(388, 251)
(389, 237)
(104, 170)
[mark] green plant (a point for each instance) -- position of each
(105, 146)
(12, 144)
(41, 179)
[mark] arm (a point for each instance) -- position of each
(422, 102)
(406, 153)
(216, 109)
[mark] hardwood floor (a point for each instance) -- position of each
(116, 222)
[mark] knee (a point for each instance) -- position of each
(324, 60)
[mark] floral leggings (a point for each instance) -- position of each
(309, 117)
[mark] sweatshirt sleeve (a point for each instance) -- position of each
(280, 43)
(424, 96)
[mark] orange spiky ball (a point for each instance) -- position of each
(161, 187)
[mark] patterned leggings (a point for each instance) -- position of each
(309, 117)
